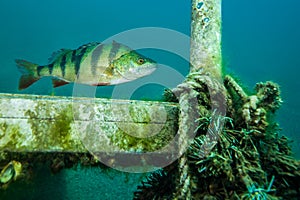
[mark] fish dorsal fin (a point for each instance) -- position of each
(124, 47)
(91, 44)
(56, 54)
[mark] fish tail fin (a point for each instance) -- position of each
(29, 75)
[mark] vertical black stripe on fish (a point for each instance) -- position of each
(95, 58)
(50, 68)
(78, 58)
(113, 51)
(73, 56)
(63, 64)
(39, 69)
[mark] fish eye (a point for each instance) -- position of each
(140, 61)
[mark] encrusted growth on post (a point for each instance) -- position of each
(206, 37)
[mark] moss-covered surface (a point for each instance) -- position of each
(52, 133)
(139, 114)
(43, 124)
(126, 142)
(10, 137)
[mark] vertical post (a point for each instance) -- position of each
(206, 37)
(205, 59)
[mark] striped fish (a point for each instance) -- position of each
(93, 64)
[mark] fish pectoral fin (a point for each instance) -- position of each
(58, 82)
(109, 71)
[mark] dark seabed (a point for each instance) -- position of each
(260, 43)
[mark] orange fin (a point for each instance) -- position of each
(58, 82)
(26, 80)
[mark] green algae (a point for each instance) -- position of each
(47, 130)
(148, 144)
(11, 134)
(139, 114)
(144, 134)
(52, 133)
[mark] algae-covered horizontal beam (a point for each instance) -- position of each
(33, 123)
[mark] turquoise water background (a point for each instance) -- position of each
(260, 42)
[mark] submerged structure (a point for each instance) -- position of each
(238, 151)
(228, 147)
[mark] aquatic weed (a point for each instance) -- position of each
(259, 193)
